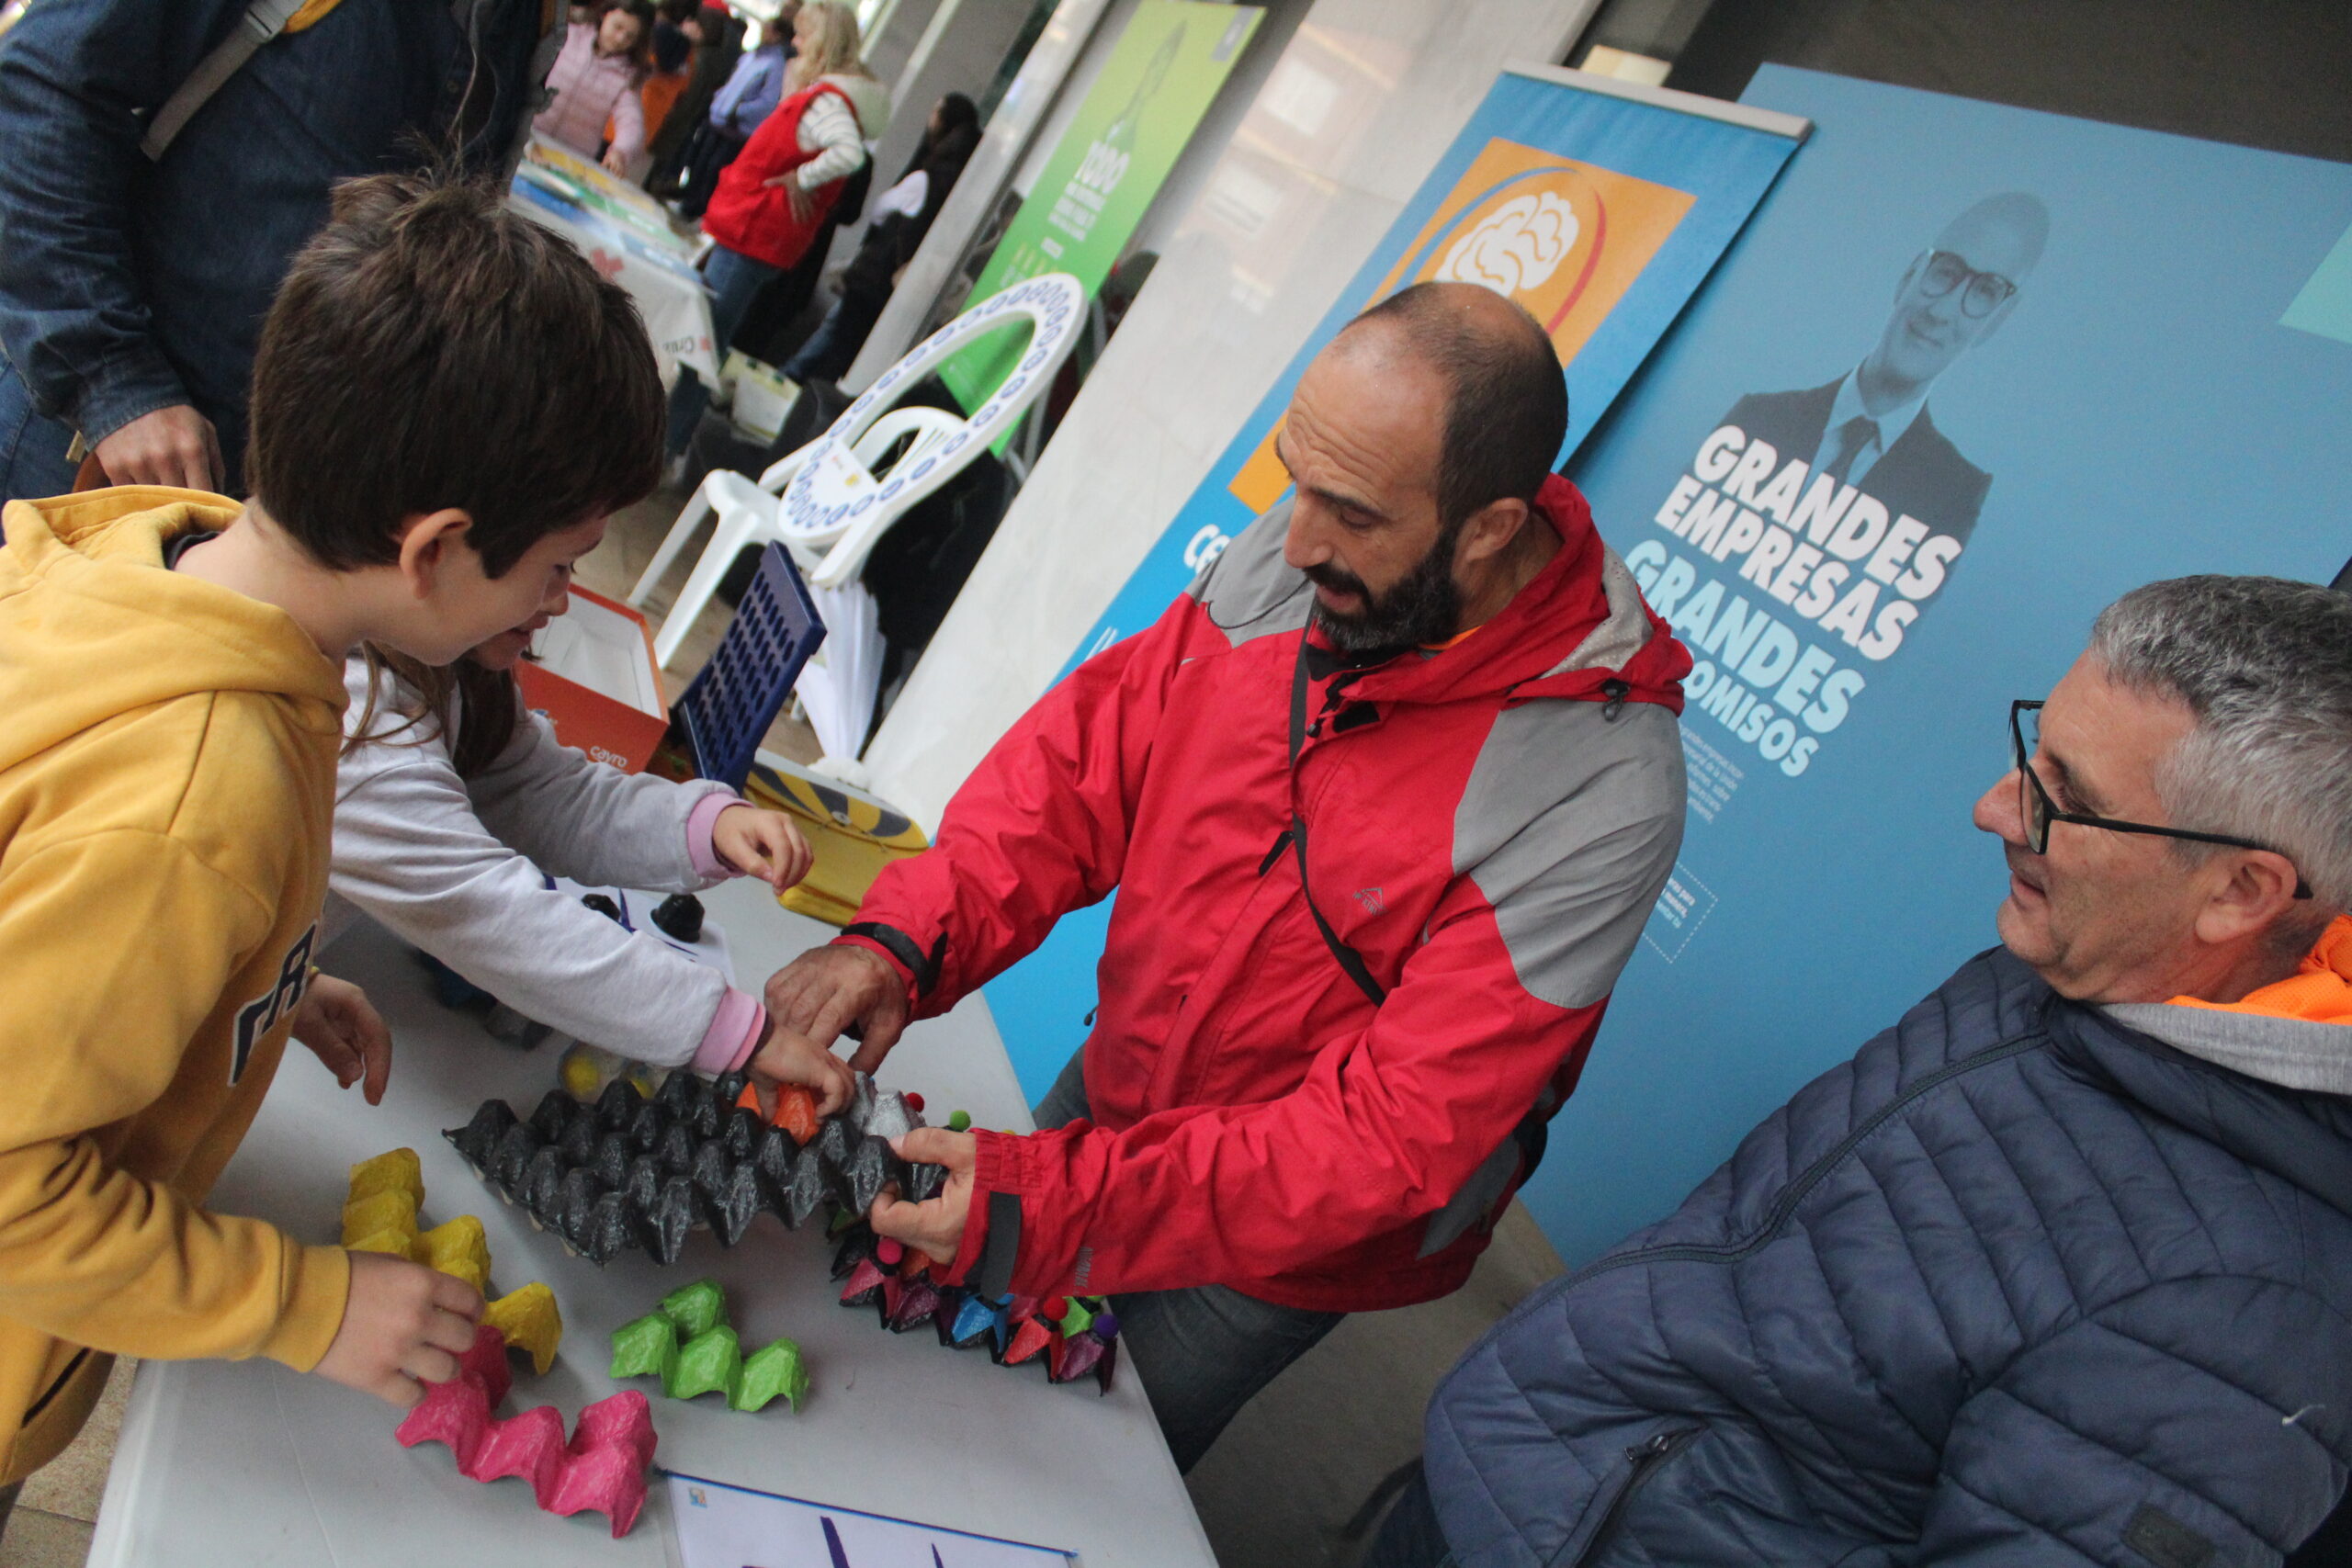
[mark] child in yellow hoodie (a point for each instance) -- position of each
(448, 402)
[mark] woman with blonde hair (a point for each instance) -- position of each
(772, 200)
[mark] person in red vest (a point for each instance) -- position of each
(1386, 798)
(772, 200)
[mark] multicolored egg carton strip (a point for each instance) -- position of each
(600, 1468)
(688, 1344)
(1071, 1336)
(633, 1172)
(379, 1215)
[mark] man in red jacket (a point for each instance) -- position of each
(1422, 691)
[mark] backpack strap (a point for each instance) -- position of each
(263, 20)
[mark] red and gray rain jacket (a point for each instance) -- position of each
(1488, 824)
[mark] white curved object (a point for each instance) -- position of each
(748, 515)
(834, 491)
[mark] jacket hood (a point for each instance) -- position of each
(1580, 631)
(2303, 1138)
(92, 626)
(2296, 1034)
(869, 98)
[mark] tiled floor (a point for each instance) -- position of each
(50, 1528)
(1276, 1490)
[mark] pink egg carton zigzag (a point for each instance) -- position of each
(603, 1467)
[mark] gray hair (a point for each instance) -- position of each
(2265, 666)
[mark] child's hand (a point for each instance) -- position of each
(343, 1030)
(786, 1056)
(761, 843)
(403, 1326)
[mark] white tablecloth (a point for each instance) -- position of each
(249, 1464)
(626, 236)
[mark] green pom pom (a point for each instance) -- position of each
(775, 1372)
(696, 1309)
(645, 1349)
(960, 1121)
(711, 1362)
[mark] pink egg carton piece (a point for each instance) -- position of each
(601, 1468)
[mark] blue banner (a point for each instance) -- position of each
(2084, 358)
(1601, 213)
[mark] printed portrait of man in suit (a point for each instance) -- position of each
(1872, 428)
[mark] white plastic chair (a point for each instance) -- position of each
(835, 495)
(749, 514)
(834, 508)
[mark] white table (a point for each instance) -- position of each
(248, 1463)
(626, 235)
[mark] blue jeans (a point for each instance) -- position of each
(32, 449)
(734, 280)
(1203, 1352)
(832, 347)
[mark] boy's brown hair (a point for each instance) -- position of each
(432, 349)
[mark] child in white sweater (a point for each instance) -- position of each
(452, 799)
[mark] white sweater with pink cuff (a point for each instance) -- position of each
(454, 866)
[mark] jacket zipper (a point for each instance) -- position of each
(1797, 1191)
(1647, 1457)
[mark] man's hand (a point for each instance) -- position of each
(176, 446)
(343, 1030)
(786, 1057)
(826, 989)
(934, 1228)
(763, 845)
(404, 1325)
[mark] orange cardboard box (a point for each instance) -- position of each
(593, 675)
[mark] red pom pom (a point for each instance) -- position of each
(915, 1102)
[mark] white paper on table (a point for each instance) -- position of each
(714, 1524)
(840, 685)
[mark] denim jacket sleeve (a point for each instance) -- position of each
(76, 79)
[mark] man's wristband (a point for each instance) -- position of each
(922, 967)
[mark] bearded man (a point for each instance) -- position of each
(1387, 796)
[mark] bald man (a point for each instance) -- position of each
(1387, 796)
(1870, 427)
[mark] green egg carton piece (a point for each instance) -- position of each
(645, 1349)
(775, 1372)
(695, 1309)
(711, 1362)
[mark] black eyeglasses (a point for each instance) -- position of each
(2038, 811)
(1984, 292)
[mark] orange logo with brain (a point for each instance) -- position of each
(1564, 237)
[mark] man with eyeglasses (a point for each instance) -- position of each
(1870, 427)
(2059, 1268)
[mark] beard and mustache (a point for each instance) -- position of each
(1422, 608)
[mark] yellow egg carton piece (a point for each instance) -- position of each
(529, 1320)
(380, 1215)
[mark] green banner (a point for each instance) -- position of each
(1109, 165)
